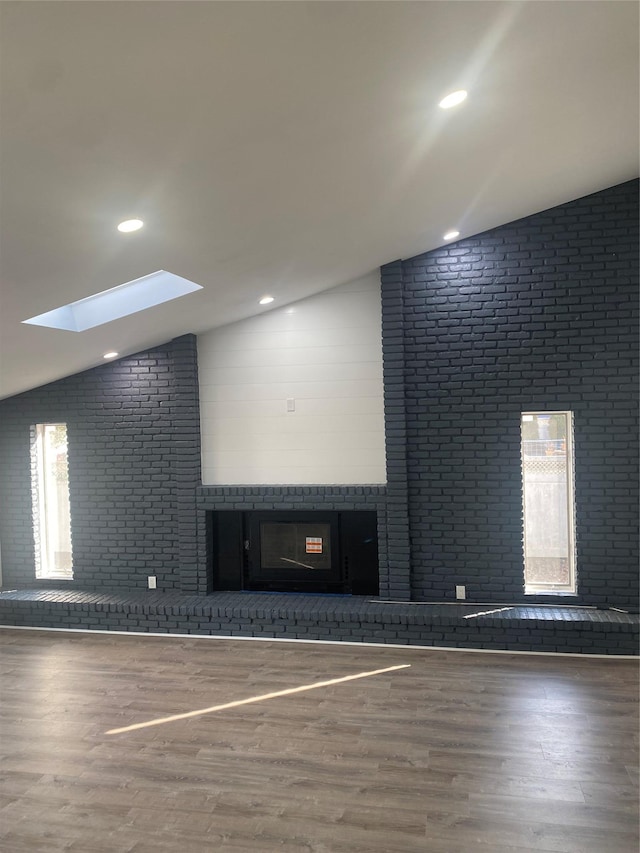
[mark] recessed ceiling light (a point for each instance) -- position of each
(266, 300)
(111, 355)
(453, 99)
(120, 301)
(451, 235)
(130, 225)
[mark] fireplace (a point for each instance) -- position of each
(294, 551)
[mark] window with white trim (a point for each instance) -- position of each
(50, 500)
(548, 502)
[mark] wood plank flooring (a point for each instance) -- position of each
(460, 752)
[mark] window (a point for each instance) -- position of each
(50, 495)
(547, 490)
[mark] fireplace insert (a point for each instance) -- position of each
(305, 551)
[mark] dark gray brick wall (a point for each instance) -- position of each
(537, 314)
(134, 464)
(540, 314)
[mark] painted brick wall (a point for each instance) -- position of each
(134, 463)
(540, 314)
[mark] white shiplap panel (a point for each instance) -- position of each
(273, 460)
(284, 390)
(311, 356)
(295, 424)
(264, 374)
(277, 407)
(256, 476)
(327, 443)
(297, 458)
(211, 345)
(324, 353)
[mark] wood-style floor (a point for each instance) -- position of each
(460, 753)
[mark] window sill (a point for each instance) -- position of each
(567, 593)
(54, 578)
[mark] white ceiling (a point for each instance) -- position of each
(282, 148)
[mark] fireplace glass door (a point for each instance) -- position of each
(290, 545)
(295, 551)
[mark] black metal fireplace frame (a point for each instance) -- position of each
(233, 538)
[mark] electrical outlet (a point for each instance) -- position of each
(151, 580)
(461, 592)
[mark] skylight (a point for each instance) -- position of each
(117, 302)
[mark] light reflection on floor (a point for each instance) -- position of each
(253, 699)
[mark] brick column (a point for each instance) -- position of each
(398, 549)
(186, 436)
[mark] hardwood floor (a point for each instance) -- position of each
(460, 752)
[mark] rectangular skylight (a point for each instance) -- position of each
(117, 302)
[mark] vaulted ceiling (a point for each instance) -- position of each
(281, 147)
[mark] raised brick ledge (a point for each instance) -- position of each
(248, 604)
(346, 618)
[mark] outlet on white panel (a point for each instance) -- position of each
(151, 580)
(291, 404)
(461, 592)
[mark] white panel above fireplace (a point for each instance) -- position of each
(295, 395)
